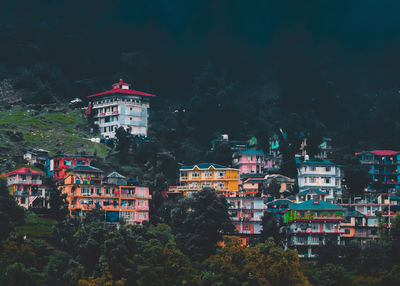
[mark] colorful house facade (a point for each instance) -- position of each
(320, 174)
(383, 167)
(310, 194)
(206, 175)
(249, 161)
(26, 186)
(246, 213)
(312, 224)
(120, 107)
(58, 165)
(86, 191)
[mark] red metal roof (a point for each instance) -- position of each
(384, 152)
(117, 89)
(380, 152)
(24, 171)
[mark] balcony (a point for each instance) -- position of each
(20, 181)
(104, 114)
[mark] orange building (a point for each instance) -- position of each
(86, 190)
(205, 175)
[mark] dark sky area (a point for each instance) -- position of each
(173, 40)
(323, 56)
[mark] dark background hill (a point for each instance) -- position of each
(216, 66)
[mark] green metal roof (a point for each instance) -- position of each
(315, 205)
(315, 162)
(251, 152)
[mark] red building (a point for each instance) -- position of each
(59, 164)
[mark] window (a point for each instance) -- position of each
(221, 174)
(312, 179)
(195, 174)
(315, 239)
(107, 191)
(23, 177)
(327, 169)
(248, 158)
(327, 180)
(207, 174)
(312, 169)
(22, 200)
(141, 215)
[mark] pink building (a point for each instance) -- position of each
(249, 161)
(25, 185)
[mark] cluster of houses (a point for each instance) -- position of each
(86, 187)
(310, 206)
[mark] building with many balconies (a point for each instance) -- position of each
(206, 175)
(26, 186)
(86, 191)
(248, 161)
(320, 174)
(383, 167)
(312, 224)
(246, 213)
(120, 107)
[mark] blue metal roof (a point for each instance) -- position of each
(204, 166)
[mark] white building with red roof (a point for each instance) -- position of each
(120, 106)
(25, 185)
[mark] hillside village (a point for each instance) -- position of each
(315, 207)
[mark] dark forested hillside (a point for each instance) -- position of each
(223, 66)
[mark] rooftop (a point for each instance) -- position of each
(250, 152)
(305, 192)
(315, 205)
(115, 175)
(24, 171)
(380, 152)
(122, 88)
(205, 166)
(86, 168)
(315, 162)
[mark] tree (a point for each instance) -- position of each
(123, 144)
(57, 201)
(10, 213)
(199, 223)
(270, 228)
(264, 264)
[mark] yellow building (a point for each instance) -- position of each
(206, 175)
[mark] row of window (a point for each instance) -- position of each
(196, 185)
(117, 99)
(313, 169)
(207, 174)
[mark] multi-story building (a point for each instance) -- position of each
(249, 161)
(246, 214)
(26, 186)
(383, 207)
(36, 156)
(356, 227)
(320, 174)
(383, 167)
(58, 165)
(207, 175)
(312, 224)
(86, 191)
(120, 107)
